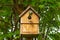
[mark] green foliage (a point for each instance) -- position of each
(55, 36)
(6, 1)
(49, 11)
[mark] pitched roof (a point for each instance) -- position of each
(29, 7)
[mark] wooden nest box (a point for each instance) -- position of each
(29, 22)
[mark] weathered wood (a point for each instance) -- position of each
(29, 29)
(29, 26)
(29, 8)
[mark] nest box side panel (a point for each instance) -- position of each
(34, 19)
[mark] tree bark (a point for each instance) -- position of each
(17, 9)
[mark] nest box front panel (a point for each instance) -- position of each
(29, 23)
(29, 29)
(34, 17)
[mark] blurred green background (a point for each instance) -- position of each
(49, 11)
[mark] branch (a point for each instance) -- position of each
(46, 33)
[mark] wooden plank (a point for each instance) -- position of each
(29, 29)
(34, 19)
(30, 35)
(29, 23)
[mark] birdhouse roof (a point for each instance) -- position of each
(29, 8)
